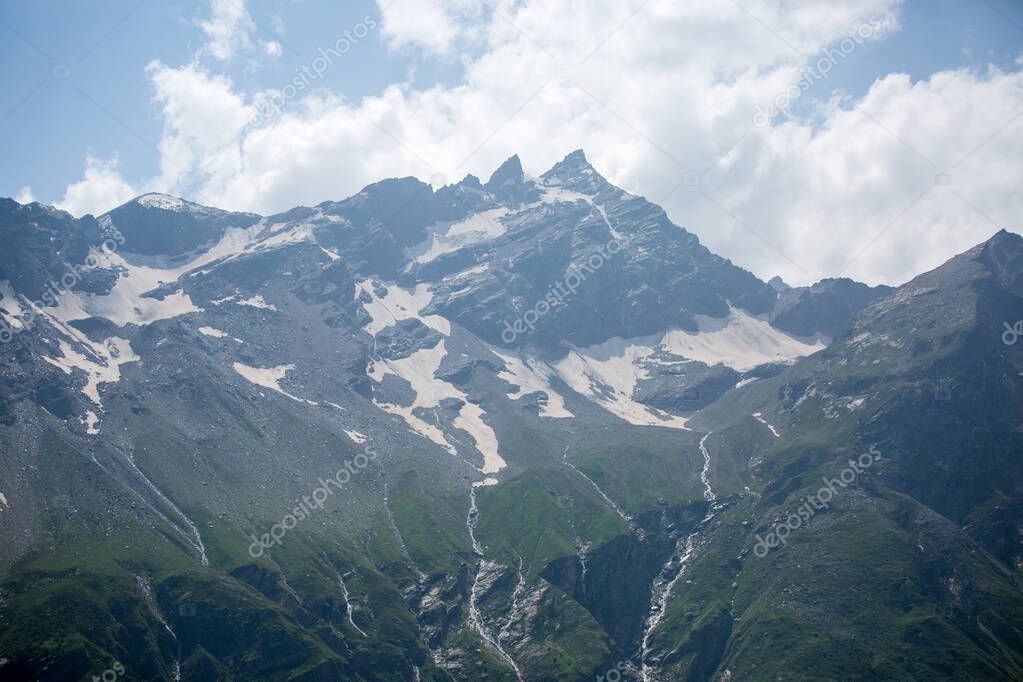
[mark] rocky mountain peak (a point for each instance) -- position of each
(575, 160)
(509, 172)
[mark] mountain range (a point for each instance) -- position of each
(525, 428)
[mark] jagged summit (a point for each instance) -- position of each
(508, 172)
(574, 164)
(576, 159)
(1004, 239)
(510, 185)
(575, 172)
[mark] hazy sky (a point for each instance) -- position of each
(898, 145)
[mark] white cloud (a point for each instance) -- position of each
(202, 120)
(25, 195)
(433, 26)
(100, 190)
(272, 48)
(653, 95)
(228, 29)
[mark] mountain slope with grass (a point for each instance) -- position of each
(517, 429)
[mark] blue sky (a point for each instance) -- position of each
(107, 44)
(428, 72)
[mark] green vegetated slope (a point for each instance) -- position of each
(912, 571)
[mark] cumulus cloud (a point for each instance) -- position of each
(662, 96)
(433, 26)
(100, 190)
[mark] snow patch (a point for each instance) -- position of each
(100, 362)
(419, 371)
(91, 422)
(211, 331)
(356, 436)
(603, 214)
(554, 195)
(530, 376)
(257, 301)
(739, 341)
(269, 377)
(607, 373)
(450, 237)
(125, 303)
(398, 304)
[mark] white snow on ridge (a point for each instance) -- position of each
(398, 304)
(530, 376)
(269, 377)
(125, 304)
(419, 371)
